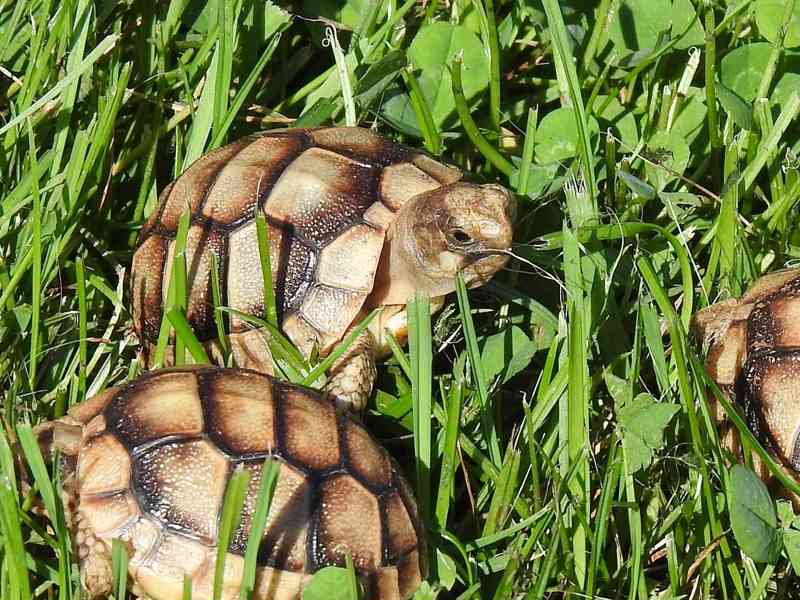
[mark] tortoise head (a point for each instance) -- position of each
(457, 227)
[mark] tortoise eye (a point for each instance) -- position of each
(461, 236)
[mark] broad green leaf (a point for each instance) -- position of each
(446, 568)
(430, 54)
(669, 150)
(753, 519)
(791, 541)
(684, 18)
(742, 69)
(507, 353)
(329, 583)
(619, 118)
(346, 12)
(643, 421)
(637, 24)
(785, 88)
(769, 17)
(741, 112)
(691, 116)
(636, 185)
(557, 136)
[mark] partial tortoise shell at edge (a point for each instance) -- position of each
(329, 196)
(754, 357)
(155, 462)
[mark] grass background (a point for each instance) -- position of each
(653, 146)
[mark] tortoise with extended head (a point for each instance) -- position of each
(149, 462)
(355, 222)
(754, 357)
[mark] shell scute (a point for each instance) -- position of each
(284, 541)
(146, 285)
(308, 429)
(348, 261)
(156, 407)
(104, 465)
(321, 193)
(349, 521)
(190, 189)
(366, 458)
(182, 485)
(240, 412)
(360, 143)
(247, 178)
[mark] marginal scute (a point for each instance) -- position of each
(351, 259)
(330, 310)
(109, 514)
(167, 404)
(141, 536)
(202, 245)
(182, 484)
(191, 187)
(439, 171)
(146, 286)
(161, 576)
(725, 357)
(308, 426)
(368, 459)
(240, 412)
(349, 521)
(403, 181)
(248, 177)
(284, 541)
(772, 378)
(401, 534)
(387, 584)
(378, 215)
(104, 465)
(409, 573)
(279, 584)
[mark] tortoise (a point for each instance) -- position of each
(355, 222)
(148, 463)
(754, 357)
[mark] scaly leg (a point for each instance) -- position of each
(94, 559)
(353, 375)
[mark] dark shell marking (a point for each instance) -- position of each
(188, 430)
(769, 377)
(328, 195)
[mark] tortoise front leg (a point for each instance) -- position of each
(353, 375)
(94, 562)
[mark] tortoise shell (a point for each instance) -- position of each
(155, 461)
(754, 357)
(328, 196)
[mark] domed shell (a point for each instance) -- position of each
(328, 195)
(155, 462)
(755, 358)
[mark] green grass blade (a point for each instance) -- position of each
(270, 471)
(232, 504)
(421, 358)
(184, 333)
(119, 568)
(479, 377)
(270, 308)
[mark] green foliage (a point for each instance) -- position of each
(555, 422)
(753, 517)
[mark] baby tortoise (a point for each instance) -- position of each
(754, 357)
(355, 222)
(149, 462)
